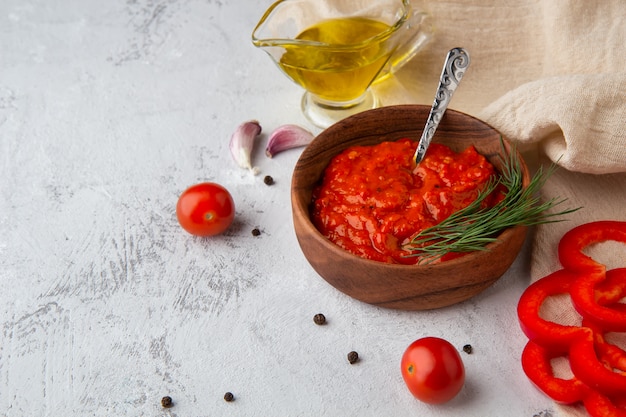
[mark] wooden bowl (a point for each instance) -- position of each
(405, 287)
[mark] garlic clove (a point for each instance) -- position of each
(287, 137)
(242, 143)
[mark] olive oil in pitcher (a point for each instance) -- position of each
(335, 49)
(354, 52)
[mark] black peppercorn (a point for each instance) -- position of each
(467, 349)
(268, 180)
(256, 232)
(166, 402)
(228, 397)
(319, 319)
(353, 357)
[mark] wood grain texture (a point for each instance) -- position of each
(414, 287)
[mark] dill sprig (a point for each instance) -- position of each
(475, 226)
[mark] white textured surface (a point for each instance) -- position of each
(108, 110)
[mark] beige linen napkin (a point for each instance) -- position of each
(550, 75)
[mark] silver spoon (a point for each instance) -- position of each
(454, 67)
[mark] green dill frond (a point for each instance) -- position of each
(475, 226)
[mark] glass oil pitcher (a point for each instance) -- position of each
(336, 49)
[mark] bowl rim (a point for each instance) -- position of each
(313, 232)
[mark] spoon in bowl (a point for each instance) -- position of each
(454, 67)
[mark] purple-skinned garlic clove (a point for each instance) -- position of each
(242, 143)
(287, 137)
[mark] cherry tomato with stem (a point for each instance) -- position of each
(205, 209)
(433, 370)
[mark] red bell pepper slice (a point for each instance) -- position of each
(537, 367)
(612, 289)
(598, 405)
(574, 241)
(609, 292)
(585, 299)
(598, 367)
(589, 369)
(554, 336)
(612, 356)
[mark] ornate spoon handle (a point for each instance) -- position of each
(454, 67)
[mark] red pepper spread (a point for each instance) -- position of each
(372, 200)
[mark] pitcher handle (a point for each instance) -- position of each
(419, 32)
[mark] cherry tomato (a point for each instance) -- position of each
(205, 209)
(433, 370)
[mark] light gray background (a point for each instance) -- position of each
(108, 111)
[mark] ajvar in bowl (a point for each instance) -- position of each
(400, 286)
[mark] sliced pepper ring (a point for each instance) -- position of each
(585, 299)
(609, 292)
(612, 289)
(598, 367)
(611, 355)
(574, 241)
(537, 367)
(598, 405)
(556, 337)
(587, 367)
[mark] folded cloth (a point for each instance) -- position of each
(579, 121)
(550, 76)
